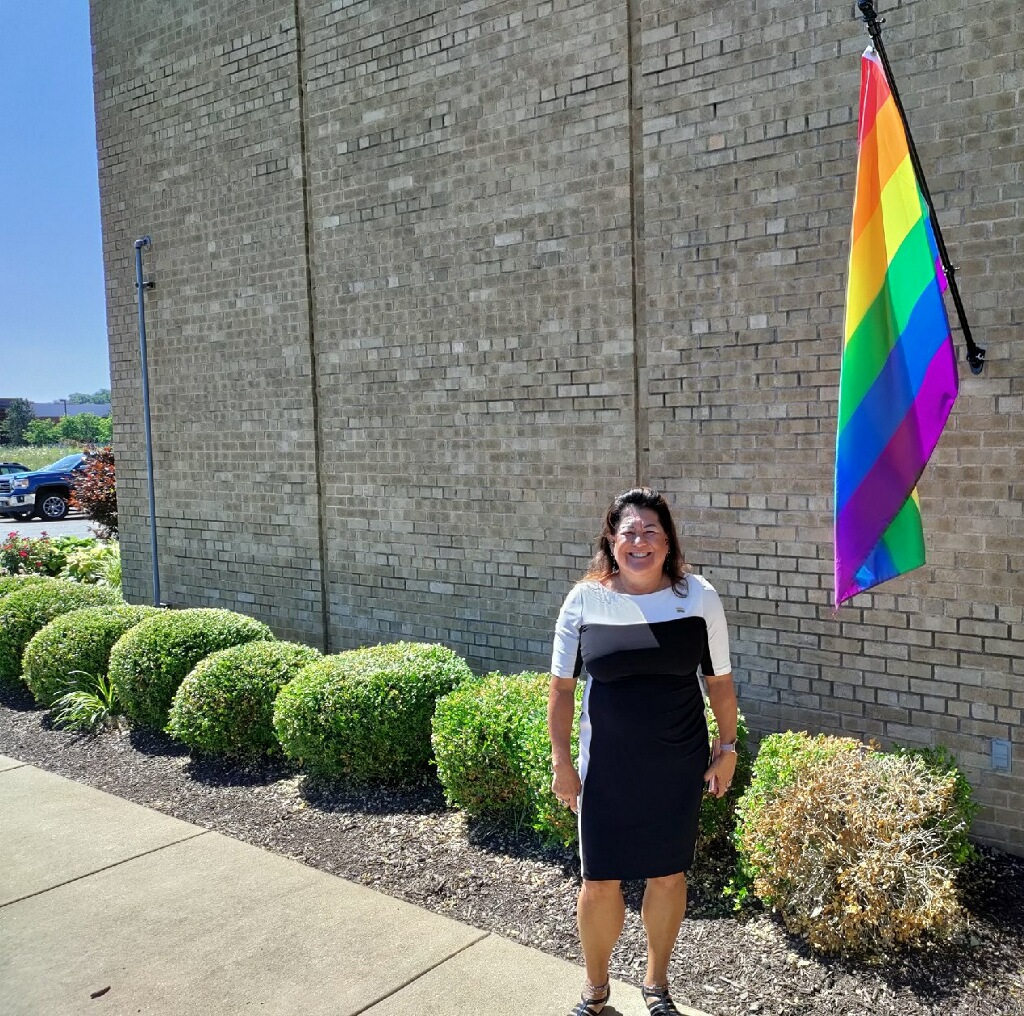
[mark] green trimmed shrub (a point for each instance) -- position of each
(149, 662)
(717, 823)
(549, 817)
(12, 583)
(225, 705)
(35, 605)
(365, 714)
(853, 847)
(73, 650)
(478, 734)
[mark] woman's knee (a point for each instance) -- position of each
(601, 889)
(668, 883)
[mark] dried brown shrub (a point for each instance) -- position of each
(854, 855)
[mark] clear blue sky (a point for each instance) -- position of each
(53, 332)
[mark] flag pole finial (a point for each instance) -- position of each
(975, 354)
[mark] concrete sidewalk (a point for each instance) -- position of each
(101, 897)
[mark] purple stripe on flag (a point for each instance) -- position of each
(880, 496)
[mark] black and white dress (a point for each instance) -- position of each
(643, 735)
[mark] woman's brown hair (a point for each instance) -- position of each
(602, 565)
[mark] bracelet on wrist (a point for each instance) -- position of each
(730, 746)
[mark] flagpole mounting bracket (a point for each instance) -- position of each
(975, 355)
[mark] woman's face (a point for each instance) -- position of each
(640, 545)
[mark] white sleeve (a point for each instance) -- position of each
(716, 658)
(565, 661)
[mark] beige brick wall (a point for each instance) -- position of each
(417, 319)
(199, 147)
(749, 153)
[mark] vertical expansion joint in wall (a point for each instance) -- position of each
(325, 618)
(634, 78)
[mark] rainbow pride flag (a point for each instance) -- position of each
(898, 379)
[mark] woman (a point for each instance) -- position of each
(642, 627)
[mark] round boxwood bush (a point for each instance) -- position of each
(149, 662)
(478, 734)
(225, 705)
(365, 714)
(12, 583)
(74, 649)
(31, 608)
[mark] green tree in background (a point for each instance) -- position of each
(101, 397)
(83, 428)
(41, 432)
(19, 416)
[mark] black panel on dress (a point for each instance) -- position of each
(647, 750)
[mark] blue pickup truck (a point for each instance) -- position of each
(44, 492)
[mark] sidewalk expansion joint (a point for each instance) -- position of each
(409, 980)
(106, 867)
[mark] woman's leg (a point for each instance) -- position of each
(600, 913)
(663, 910)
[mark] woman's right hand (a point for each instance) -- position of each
(566, 785)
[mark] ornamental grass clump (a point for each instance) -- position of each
(32, 607)
(149, 662)
(478, 734)
(364, 715)
(854, 848)
(73, 651)
(225, 704)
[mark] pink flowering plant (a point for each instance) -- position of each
(25, 555)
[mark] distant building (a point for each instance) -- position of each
(56, 410)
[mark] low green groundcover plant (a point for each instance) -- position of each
(149, 662)
(99, 563)
(364, 715)
(855, 848)
(73, 650)
(225, 705)
(31, 608)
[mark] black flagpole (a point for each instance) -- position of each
(975, 354)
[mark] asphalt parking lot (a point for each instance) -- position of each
(73, 525)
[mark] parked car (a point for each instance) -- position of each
(12, 467)
(44, 492)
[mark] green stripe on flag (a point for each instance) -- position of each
(911, 272)
(904, 539)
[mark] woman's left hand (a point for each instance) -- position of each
(721, 771)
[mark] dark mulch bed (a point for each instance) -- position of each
(411, 846)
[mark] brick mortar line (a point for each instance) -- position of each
(318, 437)
(634, 65)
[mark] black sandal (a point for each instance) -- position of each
(658, 1000)
(592, 1006)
